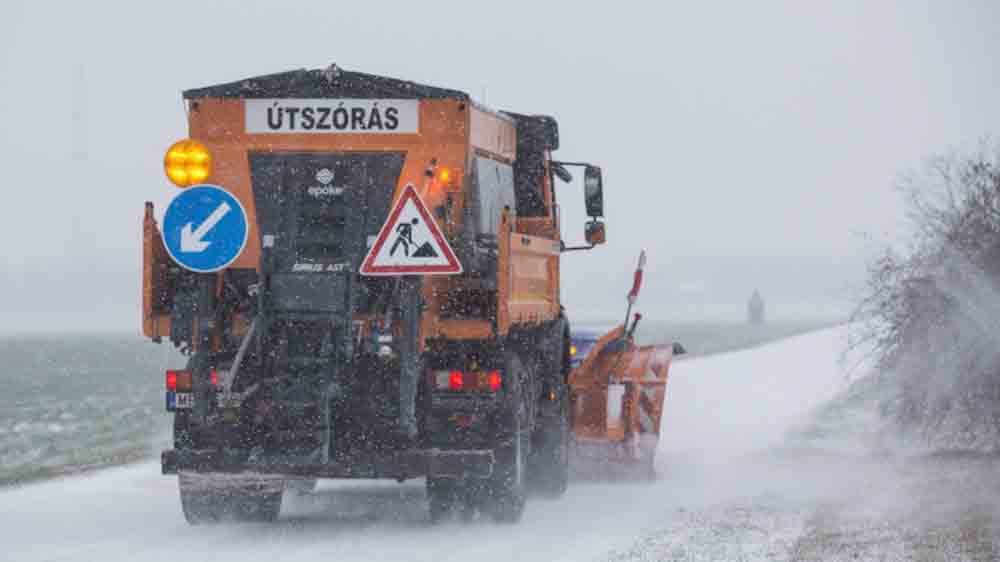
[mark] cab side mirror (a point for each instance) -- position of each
(678, 349)
(595, 233)
(593, 191)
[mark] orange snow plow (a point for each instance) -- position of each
(617, 394)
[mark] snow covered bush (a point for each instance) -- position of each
(932, 307)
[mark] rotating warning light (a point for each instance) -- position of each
(444, 175)
(187, 163)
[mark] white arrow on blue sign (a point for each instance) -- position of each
(205, 228)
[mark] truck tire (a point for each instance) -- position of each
(549, 463)
(446, 496)
(548, 466)
(207, 499)
(508, 486)
(440, 498)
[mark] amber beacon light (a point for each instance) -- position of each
(187, 163)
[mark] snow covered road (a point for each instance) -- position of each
(724, 415)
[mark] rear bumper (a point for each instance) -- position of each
(401, 465)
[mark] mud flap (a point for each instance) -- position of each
(411, 303)
(460, 464)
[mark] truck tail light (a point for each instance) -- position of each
(172, 381)
(179, 381)
(473, 381)
(456, 380)
(493, 380)
(182, 381)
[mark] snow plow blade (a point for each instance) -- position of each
(617, 396)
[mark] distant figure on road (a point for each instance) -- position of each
(755, 309)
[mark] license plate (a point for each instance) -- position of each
(179, 401)
(185, 401)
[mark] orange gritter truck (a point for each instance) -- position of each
(365, 275)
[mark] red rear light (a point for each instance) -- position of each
(466, 381)
(179, 381)
(215, 377)
(493, 380)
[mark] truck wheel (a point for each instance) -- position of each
(507, 485)
(207, 499)
(440, 498)
(549, 466)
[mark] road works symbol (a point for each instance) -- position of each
(204, 228)
(410, 242)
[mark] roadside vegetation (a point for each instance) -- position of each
(931, 307)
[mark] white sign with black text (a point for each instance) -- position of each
(332, 116)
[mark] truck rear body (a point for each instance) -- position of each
(301, 366)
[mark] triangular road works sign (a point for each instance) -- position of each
(410, 242)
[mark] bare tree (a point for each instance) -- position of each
(932, 308)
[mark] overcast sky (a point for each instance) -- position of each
(744, 144)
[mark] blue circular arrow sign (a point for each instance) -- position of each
(204, 228)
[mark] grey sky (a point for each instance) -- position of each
(743, 143)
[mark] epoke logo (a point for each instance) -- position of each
(325, 176)
(324, 190)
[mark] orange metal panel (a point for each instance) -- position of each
(503, 276)
(154, 262)
(586, 375)
(464, 329)
(537, 226)
(533, 291)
